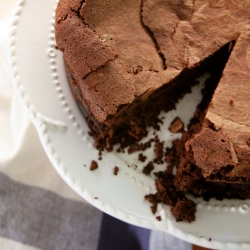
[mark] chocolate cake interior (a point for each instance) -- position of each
(189, 177)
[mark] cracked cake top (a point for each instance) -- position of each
(118, 51)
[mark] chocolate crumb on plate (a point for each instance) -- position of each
(148, 168)
(176, 125)
(158, 150)
(94, 165)
(100, 155)
(158, 218)
(181, 207)
(135, 147)
(142, 157)
(184, 210)
(116, 170)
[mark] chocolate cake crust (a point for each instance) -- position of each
(116, 60)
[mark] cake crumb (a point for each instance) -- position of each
(153, 209)
(158, 150)
(100, 155)
(184, 210)
(148, 168)
(209, 239)
(176, 125)
(96, 198)
(139, 146)
(94, 165)
(153, 200)
(158, 218)
(116, 170)
(133, 148)
(120, 150)
(142, 157)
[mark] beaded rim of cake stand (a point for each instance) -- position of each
(44, 123)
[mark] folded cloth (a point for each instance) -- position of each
(37, 208)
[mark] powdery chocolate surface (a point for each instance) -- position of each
(189, 31)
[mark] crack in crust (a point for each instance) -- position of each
(151, 34)
(82, 4)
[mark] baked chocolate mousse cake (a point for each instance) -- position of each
(129, 60)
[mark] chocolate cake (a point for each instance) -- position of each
(129, 60)
(219, 146)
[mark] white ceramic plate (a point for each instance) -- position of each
(39, 80)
